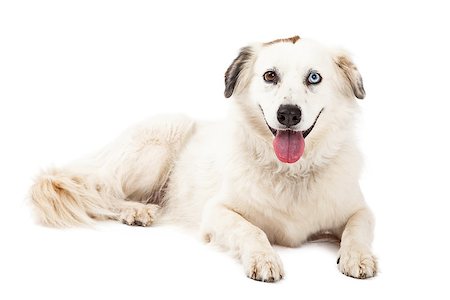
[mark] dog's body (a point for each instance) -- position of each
(227, 179)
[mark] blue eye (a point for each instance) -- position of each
(314, 77)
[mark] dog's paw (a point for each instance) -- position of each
(357, 262)
(264, 266)
(139, 216)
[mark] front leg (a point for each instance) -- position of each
(355, 257)
(225, 227)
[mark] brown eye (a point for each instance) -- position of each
(270, 77)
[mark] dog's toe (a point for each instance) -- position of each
(139, 216)
(357, 262)
(264, 266)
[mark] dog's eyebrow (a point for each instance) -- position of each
(292, 40)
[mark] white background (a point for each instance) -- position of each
(73, 74)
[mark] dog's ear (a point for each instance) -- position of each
(351, 75)
(237, 74)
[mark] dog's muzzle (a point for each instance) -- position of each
(289, 145)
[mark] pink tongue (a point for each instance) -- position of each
(289, 145)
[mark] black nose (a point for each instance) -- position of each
(289, 115)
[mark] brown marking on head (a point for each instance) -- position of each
(292, 40)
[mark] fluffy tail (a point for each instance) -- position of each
(61, 199)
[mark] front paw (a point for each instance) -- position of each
(263, 266)
(357, 262)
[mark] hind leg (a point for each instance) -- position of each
(125, 181)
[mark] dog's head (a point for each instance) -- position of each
(292, 82)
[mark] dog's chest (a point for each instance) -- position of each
(291, 209)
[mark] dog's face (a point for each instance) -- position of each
(292, 82)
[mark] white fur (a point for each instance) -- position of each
(224, 178)
(293, 71)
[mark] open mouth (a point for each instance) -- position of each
(289, 145)
(305, 133)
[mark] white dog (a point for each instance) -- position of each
(282, 168)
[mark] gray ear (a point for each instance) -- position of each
(236, 71)
(351, 75)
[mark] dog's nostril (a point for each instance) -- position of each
(289, 115)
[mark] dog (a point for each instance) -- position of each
(283, 168)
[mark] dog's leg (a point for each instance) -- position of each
(355, 257)
(228, 229)
(110, 184)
